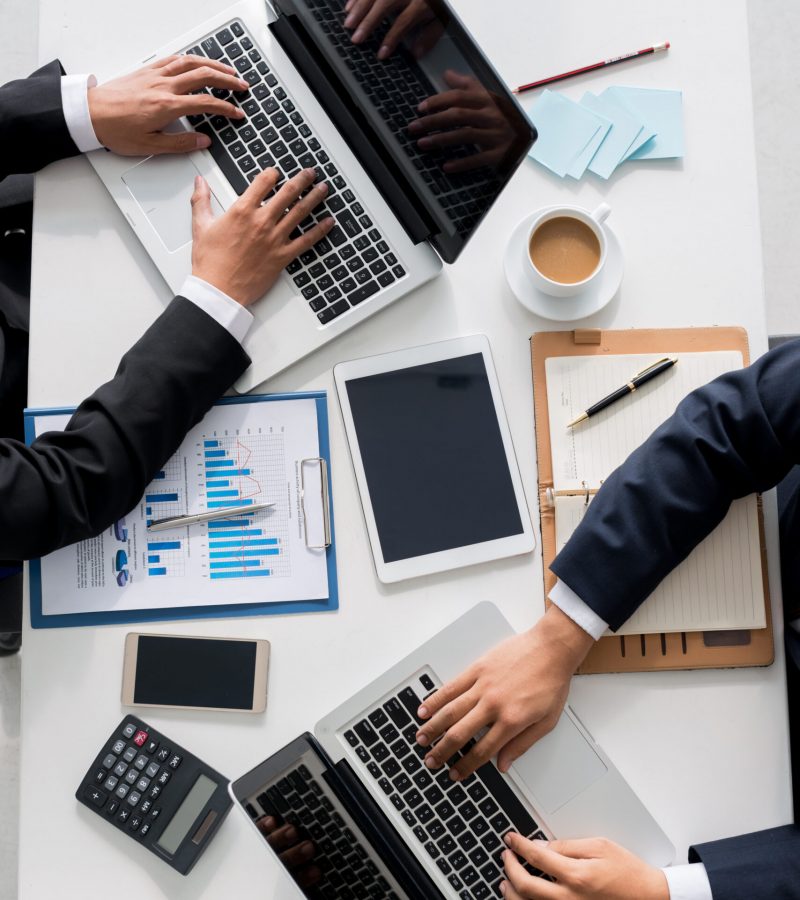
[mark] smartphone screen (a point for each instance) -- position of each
(177, 671)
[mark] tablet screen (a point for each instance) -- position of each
(433, 456)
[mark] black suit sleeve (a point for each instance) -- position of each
(764, 865)
(70, 485)
(735, 436)
(33, 131)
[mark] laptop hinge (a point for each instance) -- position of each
(333, 95)
(373, 821)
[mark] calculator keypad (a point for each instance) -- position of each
(133, 769)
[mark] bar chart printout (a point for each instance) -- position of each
(239, 455)
(238, 472)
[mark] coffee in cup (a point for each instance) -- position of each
(566, 249)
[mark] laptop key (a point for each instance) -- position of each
(385, 785)
(317, 304)
(362, 293)
(349, 223)
(247, 163)
(234, 51)
(227, 135)
(237, 29)
(333, 294)
(363, 729)
(363, 276)
(230, 170)
(243, 64)
(237, 149)
(211, 48)
(224, 36)
(337, 237)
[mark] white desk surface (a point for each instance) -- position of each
(707, 751)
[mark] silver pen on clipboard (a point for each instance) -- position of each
(228, 512)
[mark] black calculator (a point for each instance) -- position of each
(157, 792)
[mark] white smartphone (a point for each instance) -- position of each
(184, 672)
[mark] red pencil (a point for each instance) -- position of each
(601, 65)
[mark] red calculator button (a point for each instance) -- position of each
(140, 738)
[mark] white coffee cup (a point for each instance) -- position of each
(594, 221)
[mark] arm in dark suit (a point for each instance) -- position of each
(33, 131)
(760, 866)
(70, 485)
(735, 436)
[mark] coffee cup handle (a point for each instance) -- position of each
(601, 213)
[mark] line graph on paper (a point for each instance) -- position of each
(240, 470)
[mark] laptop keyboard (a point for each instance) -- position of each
(348, 869)
(395, 87)
(460, 825)
(354, 261)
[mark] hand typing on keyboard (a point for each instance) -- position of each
(517, 690)
(591, 869)
(129, 113)
(468, 117)
(414, 19)
(243, 252)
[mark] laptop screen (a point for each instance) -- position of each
(313, 835)
(440, 111)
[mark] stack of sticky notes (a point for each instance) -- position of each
(602, 132)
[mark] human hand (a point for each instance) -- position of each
(466, 116)
(366, 15)
(517, 690)
(293, 851)
(129, 113)
(593, 869)
(243, 252)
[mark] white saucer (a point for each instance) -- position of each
(561, 309)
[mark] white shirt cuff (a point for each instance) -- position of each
(688, 882)
(223, 309)
(571, 605)
(75, 100)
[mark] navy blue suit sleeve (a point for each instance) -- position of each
(70, 485)
(735, 436)
(764, 865)
(33, 130)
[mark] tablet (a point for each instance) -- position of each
(435, 466)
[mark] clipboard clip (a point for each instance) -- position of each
(326, 509)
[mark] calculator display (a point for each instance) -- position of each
(201, 792)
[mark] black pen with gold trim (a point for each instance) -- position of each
(652, 371)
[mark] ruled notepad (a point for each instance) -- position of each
(719, 585)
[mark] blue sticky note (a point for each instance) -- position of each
(565, 130)
(589, 152)
(625, 132)
(662, 111)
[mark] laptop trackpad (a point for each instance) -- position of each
(163, 187)
(560, 766)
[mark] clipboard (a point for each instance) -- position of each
(132, 616)
(651, 652)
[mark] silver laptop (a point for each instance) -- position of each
(384, 826)
(316, 99)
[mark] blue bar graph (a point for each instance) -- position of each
(240, 553)
(155, 558)
(159, 476)
(233, 472)
(160, 571)
(160, 498)
(242, 574)
(163, 545)
(266, 542)
(149, 510)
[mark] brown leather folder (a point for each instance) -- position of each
(638, 653)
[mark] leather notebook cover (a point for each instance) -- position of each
(637, 653)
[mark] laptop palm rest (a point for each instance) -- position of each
(559, 766)
(162, 186)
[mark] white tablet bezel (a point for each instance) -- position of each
(443, 560)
